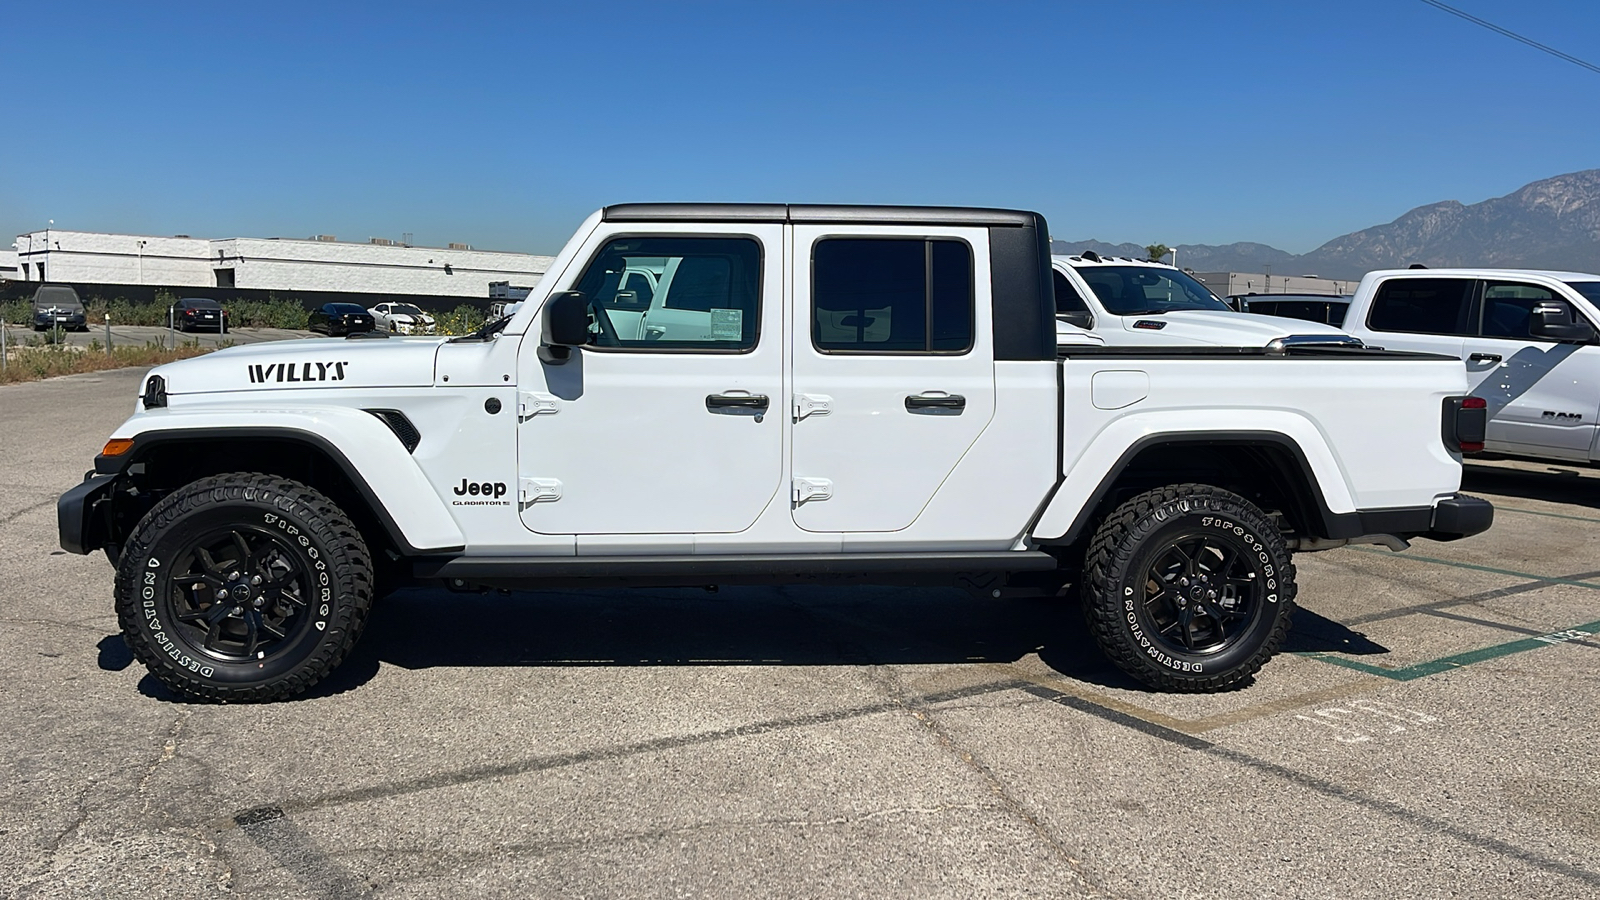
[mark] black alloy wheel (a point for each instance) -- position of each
(1201, 593)
(240, 596)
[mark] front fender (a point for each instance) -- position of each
(370, 455)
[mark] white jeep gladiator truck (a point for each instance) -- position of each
(1528, 339)
(813, 393)
(1120, 302)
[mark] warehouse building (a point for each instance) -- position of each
(320, 267)
(1235, 284)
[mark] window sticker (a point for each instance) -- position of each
(727, 324)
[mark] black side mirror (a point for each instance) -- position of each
(1553, 320)
(1079, 317)
(566, 325)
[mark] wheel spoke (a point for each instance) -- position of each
(243, 547)
(271, 629)
(213, 633)
(252, 632)
(1228, 563)
(1186, 623)
(195, 616)
(206, 561)
(187, 580)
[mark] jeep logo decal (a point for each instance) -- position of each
(311, 371)
(490, 491)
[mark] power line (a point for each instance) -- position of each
(1513, 35)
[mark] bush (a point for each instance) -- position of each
(270, 313)
(464, 319)
(34, 363)
(16, 312)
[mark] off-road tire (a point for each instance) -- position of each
(314, 567)
(1132, 574)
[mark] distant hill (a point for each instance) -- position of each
(1549, 224)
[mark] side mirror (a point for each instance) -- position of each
(1079, 317)
(1554, 321)
(566, 325)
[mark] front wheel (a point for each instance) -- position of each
(1189, 588)
(243, 587)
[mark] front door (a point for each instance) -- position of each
(661, 430)
(1543, 396)
(893, 371)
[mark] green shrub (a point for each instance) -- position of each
(17, 312)
(464, 319)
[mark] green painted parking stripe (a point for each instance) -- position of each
(1460, 660)
(1526, 576)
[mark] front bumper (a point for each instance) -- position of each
(83, 515)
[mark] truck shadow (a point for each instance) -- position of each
(741, 626)
(1563, 483)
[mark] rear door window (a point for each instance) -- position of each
(1423, 306)
(891, 295)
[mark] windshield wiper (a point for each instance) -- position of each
(489, 330)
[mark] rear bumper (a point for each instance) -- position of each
(83, 514)
(1460, 516)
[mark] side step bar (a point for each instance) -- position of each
(601, 571)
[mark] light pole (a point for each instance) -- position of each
(141, 262)
(46, 250)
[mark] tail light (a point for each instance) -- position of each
(1466, 421)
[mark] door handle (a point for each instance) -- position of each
(935, 401)
(1484, 357)
(737, 401)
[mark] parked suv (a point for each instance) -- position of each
(1528, 338)
(58, 306)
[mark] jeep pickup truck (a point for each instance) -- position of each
(811, 393)
(1120, 302)
(1528, 339)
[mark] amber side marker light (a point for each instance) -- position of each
(117, 447)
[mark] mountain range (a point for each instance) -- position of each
(1549, 224)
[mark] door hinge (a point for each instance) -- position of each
(811, 405)
(812, 489)
(540, 490)
(533, 403)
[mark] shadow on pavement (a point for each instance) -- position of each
(793, 626)
(1553, 483)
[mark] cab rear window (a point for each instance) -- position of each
(1423, 306)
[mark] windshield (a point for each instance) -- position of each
(1589, 289)
(1142, 290)
(61, 298)
(404, 309)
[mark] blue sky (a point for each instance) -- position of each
(502, 125)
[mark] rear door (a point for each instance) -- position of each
(1430, 315)
(893, 372)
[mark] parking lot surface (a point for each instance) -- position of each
(1429, 731)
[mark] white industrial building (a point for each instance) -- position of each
(1233, 284)
(320, 264)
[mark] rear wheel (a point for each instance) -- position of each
(1189, 588)
(243, 587)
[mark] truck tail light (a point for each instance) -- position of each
(1466, 420)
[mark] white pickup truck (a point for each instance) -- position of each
(1528, 338)
(1120, 302)
(826, 393)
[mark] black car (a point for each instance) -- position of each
(340, 318)
(190, 313)
(58, 306)
(1329, 309)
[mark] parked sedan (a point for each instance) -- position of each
(190, 313)
(339, 318)
(401, 318)
(58, 306)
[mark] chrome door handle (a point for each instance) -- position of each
(737, 401)
(935, 401)
(1484, 357)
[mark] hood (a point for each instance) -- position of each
(1223, 328)
(307, 363)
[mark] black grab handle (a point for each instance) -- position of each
(936, 401)
(738, 401)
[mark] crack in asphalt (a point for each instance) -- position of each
(11, 517)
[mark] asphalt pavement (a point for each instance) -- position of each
(1429, 732)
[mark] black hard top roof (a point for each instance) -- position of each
(816, 213)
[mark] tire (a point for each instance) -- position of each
(1188, 588)
(266, 639)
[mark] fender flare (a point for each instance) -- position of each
(403, 502)
(1065, 519)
